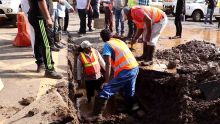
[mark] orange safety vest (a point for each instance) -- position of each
(91, 65)
(124, 59)
(154, 13)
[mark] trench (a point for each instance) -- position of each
(164, 97)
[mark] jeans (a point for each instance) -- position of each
(119, 19)
(209, 14)
(125, 80)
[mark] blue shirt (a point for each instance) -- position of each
(108, 51)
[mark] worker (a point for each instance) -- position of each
(118, 56)
(150, 22)
(178, 14)
(89, 64)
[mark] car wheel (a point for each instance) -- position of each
(13, 19)
(197, 15)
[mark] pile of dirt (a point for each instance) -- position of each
(178, 98)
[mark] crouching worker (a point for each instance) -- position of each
(89, 64)
(150, 22)
(118, 56)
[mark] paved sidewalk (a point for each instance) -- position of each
(18, 74)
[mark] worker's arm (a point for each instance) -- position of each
(101, 61)
(79, 70)
(43, 7)
(107, 69)
(68, 6)
(88, 4)
(137, 35)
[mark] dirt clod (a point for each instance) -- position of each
(32, 112)
(26, 101)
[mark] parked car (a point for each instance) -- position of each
(195, 9)
(10, 8)
(198, 9)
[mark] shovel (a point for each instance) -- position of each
(211, 89)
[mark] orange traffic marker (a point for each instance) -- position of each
(23, 38)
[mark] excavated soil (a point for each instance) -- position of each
(177, 98)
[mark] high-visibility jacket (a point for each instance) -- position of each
(124, 59)
(132, 3)
(91, 64)
(138, 12)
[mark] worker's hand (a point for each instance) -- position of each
(71, 10)
(49, 23)
(133, 41)
(87, 8)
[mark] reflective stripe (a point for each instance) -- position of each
(46, 44)
(129, 60)
(154, 13)
(86, 63)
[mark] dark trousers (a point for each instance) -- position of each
(66, 20)
(91, 86)
(41, 47)
(109, 18)
(82, 16)
(178, 24)
(131, 28)
(90, 17)
(95, 8)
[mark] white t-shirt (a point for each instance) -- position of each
(81, 4)
(25, 6)
(61, 10)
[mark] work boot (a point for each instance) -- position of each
(99, 107)
(52, 74)
(55, 49)
(58, 45)
(40, 68)
(150, 53)
(144, 55)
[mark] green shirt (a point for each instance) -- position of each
(132, 3)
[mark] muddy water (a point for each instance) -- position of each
(191, 31)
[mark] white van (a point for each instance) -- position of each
(195, 9)
(10, 8)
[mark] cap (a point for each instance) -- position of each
(85, 44)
